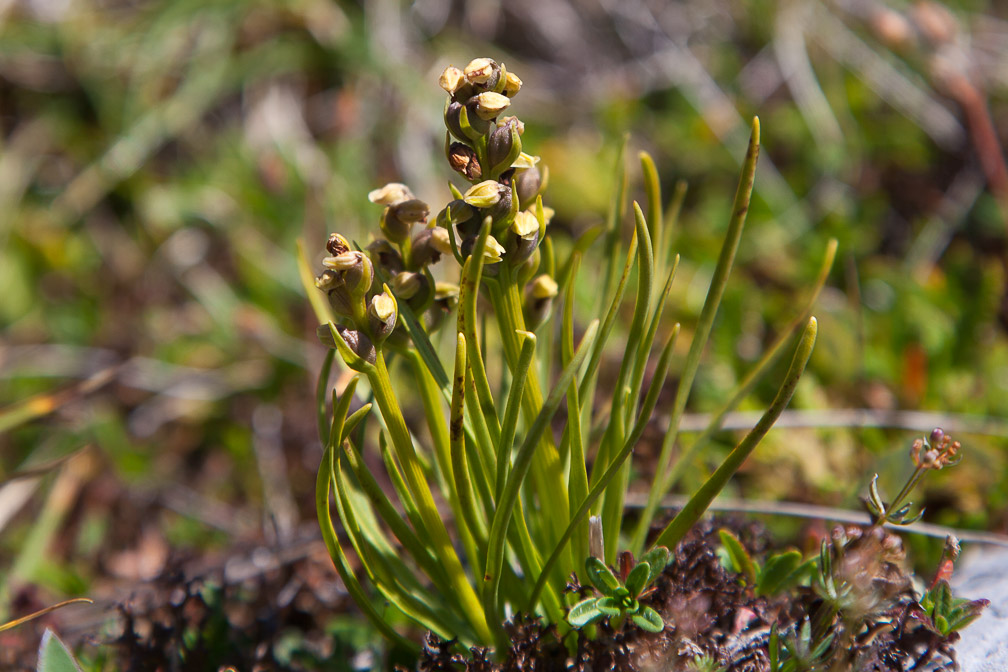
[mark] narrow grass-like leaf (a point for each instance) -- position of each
(588, 378)
(364, 602)
(412, 543)
(319, 303)
(577, 479)
(705, 322)
(614, 496)
(698, 503)
(472, 273)
(758, 371)
(650, 400)
(460, 471)
(511, 411)
(413, 475)
(523, 460)
(322, 396)
(652, 190)
(384, 567)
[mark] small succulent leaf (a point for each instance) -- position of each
(601, 576)
(912, 519)
(620, 593)
(54, 656)
(648, 619)
(658, 559)
(637, 579)
(741, 561)
(609, 606)
(583, 613)
(941, 623)
(775, 574)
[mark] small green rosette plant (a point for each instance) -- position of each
(489, 505)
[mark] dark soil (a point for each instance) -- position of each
(708, 612)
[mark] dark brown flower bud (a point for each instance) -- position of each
(503, 146)
(451, 119)
(386, 256)
(358, 343)
(528, 183)
(463, 160)
(428, 246)
(474, 112)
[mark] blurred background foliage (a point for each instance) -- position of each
(159, 160)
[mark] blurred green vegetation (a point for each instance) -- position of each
(159, 160)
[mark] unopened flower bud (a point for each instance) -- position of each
(457, 210)
(512, 85)
(490, 104)
(358, 343)
(427, 247)
(406, 284)
(451, 118)
(485, 194)
(463, 160)
(937, 436)
(527, 185)
(451, 79)
(440, 240)
(382, 314)
(543, 287)
(390, 194)
(386, 256)
(539, 303)
(398, 219)
(445, 301)
(478, 126)
(482, 71)
(503, 146)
